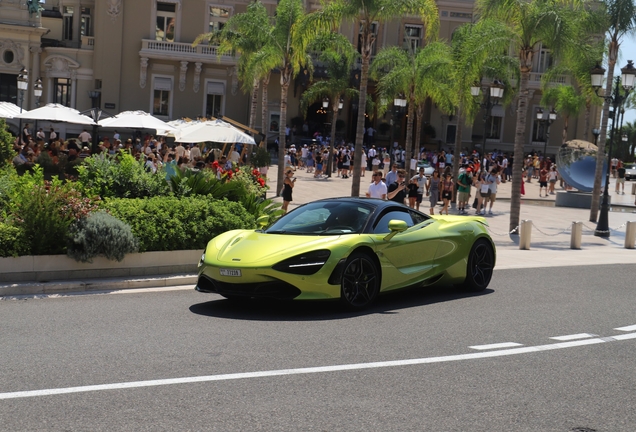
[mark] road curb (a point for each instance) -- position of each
(90, 285)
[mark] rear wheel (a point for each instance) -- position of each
(481, 262)
(360, 283)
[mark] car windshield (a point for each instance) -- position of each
(323, 218)
(630, 166)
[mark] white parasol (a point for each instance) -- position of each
(8, 110)
(135, 120)
(57, 113)
(214, 131)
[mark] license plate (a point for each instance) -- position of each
(230, 272)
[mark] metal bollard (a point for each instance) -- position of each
(630, 235)
(633, 188)
(577, 231)
(525, 230)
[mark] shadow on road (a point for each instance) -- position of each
(274, 310)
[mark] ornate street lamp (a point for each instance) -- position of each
(552, 115)
(493, 92)
(399, 102)
(596, 132)
(628, 73)
(23, 86)
(37, 91)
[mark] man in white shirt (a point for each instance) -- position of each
(234, 156)
(40, 134)
(195, 152)
(179, 151)
(377, 188)
(84, 137)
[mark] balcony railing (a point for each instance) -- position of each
(185, 51)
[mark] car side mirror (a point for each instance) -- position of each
(396, 226)
(262, 221)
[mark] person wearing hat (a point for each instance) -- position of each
(464, 182)
(84, 153)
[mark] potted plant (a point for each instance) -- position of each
(261, 159)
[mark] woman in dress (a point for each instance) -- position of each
(288, 185)
(447, 191)
(432, 189)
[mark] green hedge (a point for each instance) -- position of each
(12, 241)
(171, 223)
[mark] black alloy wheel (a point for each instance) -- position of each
(481, 263)
(360, 281)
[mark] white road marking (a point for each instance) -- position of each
(496, 346)
(320, 369)
(626, 328)
(573, 336)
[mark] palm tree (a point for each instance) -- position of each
(245, 34)
(621, 21)
(338, 54)
(479, 50)
(533, 22)
(286, 51)
(417, 74)
(566, 101)
(369, 13)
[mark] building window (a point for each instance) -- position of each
(493, 128)
(161, 97)
(9, 88)
(412, 37)
(67, 25)
(374, 31)
(86, 28)
(62, 91)
(214, 99)
(543, 61)
(218, 18)
(166, 21)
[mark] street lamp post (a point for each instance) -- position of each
(23, 86)
(37, 92)
(493, 92)
(95, 114)
(596, 132)
(552, 115)
(628, 73)
(399, 103)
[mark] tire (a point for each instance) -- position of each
(481, 263)
(360, 282)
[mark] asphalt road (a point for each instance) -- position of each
(325, 369)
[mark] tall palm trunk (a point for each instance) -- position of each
(419, 115)
(564, 137)
(254, 103)
(458, 146)
(525, 60)
(285, 78)
(600, 155)
(264, 110)
(362, 103)
(409, 137)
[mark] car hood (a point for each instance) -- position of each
(456, 218)
(257, 248)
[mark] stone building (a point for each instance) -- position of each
(124, 55)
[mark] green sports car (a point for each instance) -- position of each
(348, 248)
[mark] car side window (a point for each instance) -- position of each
(418, 218)
(382, 225)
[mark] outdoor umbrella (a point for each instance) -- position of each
(176, 124)
(57, 113)
(8, 110)
(215, 131)
(135, 120)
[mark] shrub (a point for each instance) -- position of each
(6, 144)
(44, 211)
(173, 223)
(190, 183)
(120, 176)
(100, 234)
(12, 241)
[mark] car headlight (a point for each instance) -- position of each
(304, 264)
(202, 260)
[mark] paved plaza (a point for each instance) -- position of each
(551, 233)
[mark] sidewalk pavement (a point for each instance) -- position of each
(550, 244)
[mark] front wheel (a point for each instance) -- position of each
(360, 281)
(481, 263)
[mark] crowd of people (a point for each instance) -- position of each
(155, 152)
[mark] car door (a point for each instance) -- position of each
(407, 257)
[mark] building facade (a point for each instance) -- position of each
(123, 55)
